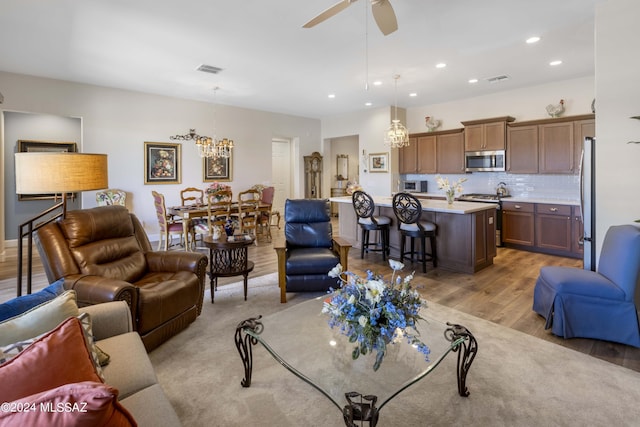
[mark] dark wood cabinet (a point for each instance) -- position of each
(450, 152)
(408, 158)
(550, 146)
(426, 146)
(553, 228)
(486, 134)
(522, 149)
(556, 145)
(518, 223)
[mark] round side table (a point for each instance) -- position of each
(228, 258)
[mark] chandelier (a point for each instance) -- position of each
(207, 146)
(397, 136)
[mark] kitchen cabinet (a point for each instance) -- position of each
(427, 147)
(553, 227)
(408, 158)
(518, 223)
(522, 149)
(486, 134)
(450, 152)
(550, 146)
(433, 152)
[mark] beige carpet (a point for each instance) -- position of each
(516, 379)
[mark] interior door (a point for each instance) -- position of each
(281, 172)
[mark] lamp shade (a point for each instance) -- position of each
(41, 173)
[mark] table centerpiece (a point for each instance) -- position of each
(373, 313)
(450, 189)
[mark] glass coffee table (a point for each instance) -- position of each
(300, 339)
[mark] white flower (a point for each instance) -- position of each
(375, 289)
(352, 299)
(362, 320)
(396, 265)
(336, 271)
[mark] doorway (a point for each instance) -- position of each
(281, 172)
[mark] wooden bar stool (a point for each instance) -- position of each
(365, 208)
(408, 211)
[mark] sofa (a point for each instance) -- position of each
(105, 255)
(61, 366)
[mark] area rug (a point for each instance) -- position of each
(515, 380)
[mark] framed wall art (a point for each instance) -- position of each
(28, 146)
(379, 162)
(217, 168)
(162, 163)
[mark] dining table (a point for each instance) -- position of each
(189, 212)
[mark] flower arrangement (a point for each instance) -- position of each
(450, 190)
(352, 187)
(216, 186)
(374, 313)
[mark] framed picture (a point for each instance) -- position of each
(27, 146)
(217, 168)
(162, 163)
(379, 162)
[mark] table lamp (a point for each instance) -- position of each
(54, 173)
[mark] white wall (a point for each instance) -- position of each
(617, 99)
(117, 122)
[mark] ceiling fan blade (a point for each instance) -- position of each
(333, 10)
(385, 16)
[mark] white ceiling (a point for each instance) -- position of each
(271, 63)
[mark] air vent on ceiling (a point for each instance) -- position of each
(209, 69)
(498, 79)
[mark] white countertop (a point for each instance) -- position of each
(429, 205)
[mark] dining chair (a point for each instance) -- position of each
(195, 196)
(218, 209)
(168, 227)
(248, 213)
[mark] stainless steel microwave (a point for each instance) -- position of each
(414, 186)
(484, 161)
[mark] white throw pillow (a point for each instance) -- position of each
(39, 319)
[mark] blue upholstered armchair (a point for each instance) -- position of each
(583, 303)
(309, 251)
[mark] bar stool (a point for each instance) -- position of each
(408, 210)
(365, 207)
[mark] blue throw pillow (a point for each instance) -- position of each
(24, 303)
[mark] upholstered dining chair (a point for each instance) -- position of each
(111, 196)
(191, 196)
(408, 211)
(168, 227)
(365, 209)
(309, 250)
(218, 209)
(590, 304)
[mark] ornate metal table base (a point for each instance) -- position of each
(359, 408)
(467, 351)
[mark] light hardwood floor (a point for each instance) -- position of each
(502, 293)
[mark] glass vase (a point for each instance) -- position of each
(450, 197)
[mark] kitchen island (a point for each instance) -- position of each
(466, 239)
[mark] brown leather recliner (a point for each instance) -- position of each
(104, 254)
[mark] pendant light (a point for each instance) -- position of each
(397, 136)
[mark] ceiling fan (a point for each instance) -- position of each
(382, 12)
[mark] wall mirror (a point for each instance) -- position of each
(342, 172)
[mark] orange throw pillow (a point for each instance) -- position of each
(71, 405)
(58, 357)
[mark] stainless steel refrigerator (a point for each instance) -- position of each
(588, 201)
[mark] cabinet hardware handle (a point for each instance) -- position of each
(517, 206)
(553, 209)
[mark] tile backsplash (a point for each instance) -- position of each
(564, 187)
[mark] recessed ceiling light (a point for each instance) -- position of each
(533, 39)
(332, 95)
(377, 83)
(473, 80)
(367, 104)
(413, 94)
(554, 63)
(441, 65)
